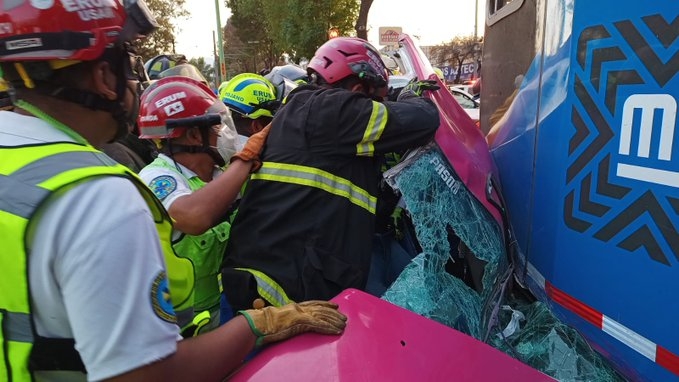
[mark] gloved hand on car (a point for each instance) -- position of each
(415, 88)
(271, 324)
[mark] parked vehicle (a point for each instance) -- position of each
(464, 99)
(465, 88)
(468, 103)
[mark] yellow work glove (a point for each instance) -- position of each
(271, 324)
(253, 147)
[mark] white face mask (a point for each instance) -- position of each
(242, 140)
(227, 143)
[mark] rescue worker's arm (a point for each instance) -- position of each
(411, 122)
(197, 212)
(208, 357)
(214, 355)
(372, 128)
(202, 209)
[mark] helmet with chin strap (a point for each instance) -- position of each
(42, 37)
(173, 105)
(175, 98)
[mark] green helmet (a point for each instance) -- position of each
(250, 95)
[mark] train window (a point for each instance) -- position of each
(499, 9)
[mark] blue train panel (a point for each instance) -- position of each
(589, 164)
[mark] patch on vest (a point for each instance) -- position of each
(163, 186)
(160, 299)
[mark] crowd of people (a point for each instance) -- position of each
(225, 221)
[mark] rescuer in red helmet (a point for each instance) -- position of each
(89, 278)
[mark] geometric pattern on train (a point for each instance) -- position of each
(630, 140)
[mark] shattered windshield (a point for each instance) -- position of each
(460, 274)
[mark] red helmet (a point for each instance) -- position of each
(42, 30)
(173, 99)
(342, 57)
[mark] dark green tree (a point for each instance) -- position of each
(247, 42)
(236, 55)
(270, 28)
(301, 26)
(162, 40)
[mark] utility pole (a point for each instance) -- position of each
(253, 45)
(216, 65)
(476, 21)
(220, 45)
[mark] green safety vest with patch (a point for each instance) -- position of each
(28, 176)
(205, 251)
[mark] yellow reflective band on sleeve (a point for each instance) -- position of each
(268, 289)
(313, 177)
(373, 132)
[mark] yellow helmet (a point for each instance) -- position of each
(221, 90)
(250, 95)
(439, 73)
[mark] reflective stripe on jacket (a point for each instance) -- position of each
(268, 288)
(307, 217)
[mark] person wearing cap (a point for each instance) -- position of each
(314, 199)
(88, 274)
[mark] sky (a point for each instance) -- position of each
(439, 22)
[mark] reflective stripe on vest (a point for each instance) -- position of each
(374, 130)
(28, 176)
(21, 192)
(268, 289)
(313, 177)
(17, 326)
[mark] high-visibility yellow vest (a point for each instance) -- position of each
(28, 176)
(205, 250)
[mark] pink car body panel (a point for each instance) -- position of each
(384, 342)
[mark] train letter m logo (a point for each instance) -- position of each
(648, 105)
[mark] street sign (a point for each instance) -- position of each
(389, 35)
(468, 71)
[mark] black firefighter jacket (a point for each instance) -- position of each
(307, 216)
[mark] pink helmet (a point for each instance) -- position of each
(342, 57)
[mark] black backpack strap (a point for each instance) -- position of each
(50, 354)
